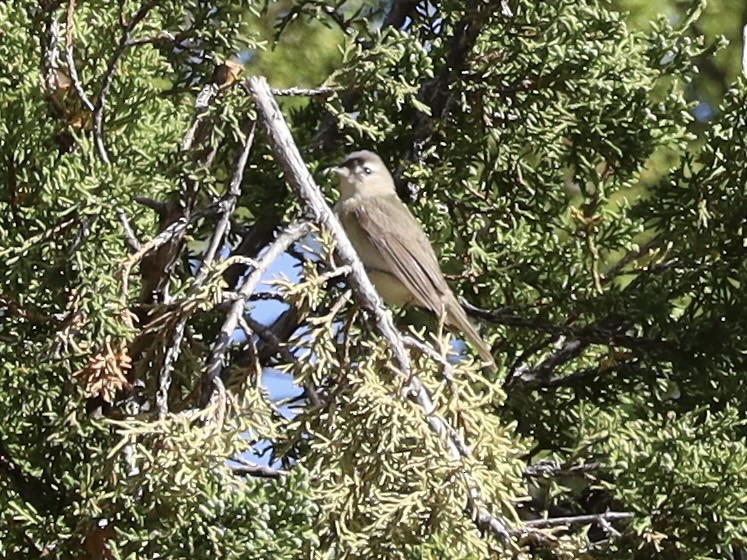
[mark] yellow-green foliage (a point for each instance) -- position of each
(521, 134)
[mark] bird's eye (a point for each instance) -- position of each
(367, 170)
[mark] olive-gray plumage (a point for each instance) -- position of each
(394, 249)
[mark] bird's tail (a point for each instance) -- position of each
(457, 317)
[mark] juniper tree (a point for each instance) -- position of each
(548, 149)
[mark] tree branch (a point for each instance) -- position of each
(531, 377)
(321, 91)
(51, 48)
(594, 333)
(300, 179)
(294, 232)
(550, 468)
(70, 58)
(248, 468)
(227, 205)
(106, 82)
(130, 238)
(599, 518)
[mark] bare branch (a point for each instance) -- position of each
(426, 349)
(629, 368)
(70, 58)
(253, 241)
(321, 91)
(334, 273)
(173, 348)
(50, 61)
(106, 83)
(247, 468)
(172, 232)
(294, 232)
(530, 377)
(30, 315)
(282, 329)
(549, 468)
(598, 518)
(300, 179)
(165, 236)
(204, 98)
(266, 334)
(129, 233)
(595, 333)
(263, 296)
(228, 205)
(630, 257)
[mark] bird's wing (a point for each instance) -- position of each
(405, 249)
(410, 257)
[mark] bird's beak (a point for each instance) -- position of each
(338, 170)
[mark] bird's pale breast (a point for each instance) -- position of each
(389, 287)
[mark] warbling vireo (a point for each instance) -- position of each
(394, 249)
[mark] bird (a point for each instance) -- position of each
(393, 247)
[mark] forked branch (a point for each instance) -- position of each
(302, 182)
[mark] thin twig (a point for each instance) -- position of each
(578, 519)
(426, 349)
(173, 348)
(164, 237)
(333, 274)
(202, 102)
(247, 468)
(594, 333)
(106, 83)
(301, 180)
(294, 232)
(550, 468)
(628, 258)
(252, 326)
(129, 233)
(564, 352)
(70, 58)
(228, 205)
(30, 315)
(50, 61)
(44, 236)
(168, 234)
(576, 377)
(262, 296)
(322, 91)
(178, 41)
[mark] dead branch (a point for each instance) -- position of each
(300, 179)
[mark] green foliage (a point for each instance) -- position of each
(715, 20)
(521, 133)
(673, 472)
(380, 474)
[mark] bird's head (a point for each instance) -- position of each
(363, 173)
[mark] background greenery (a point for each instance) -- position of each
(579, 167)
